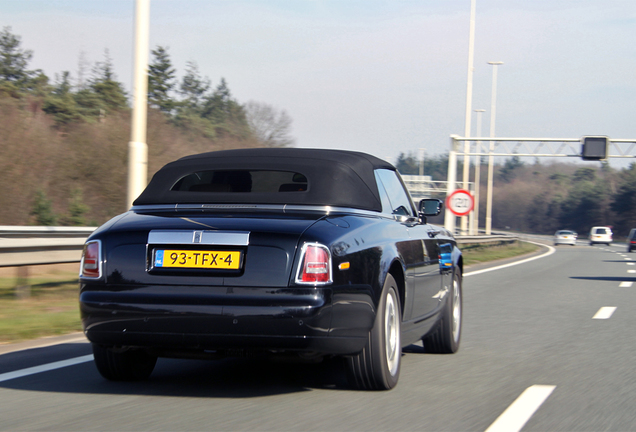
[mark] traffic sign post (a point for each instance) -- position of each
(460, 202)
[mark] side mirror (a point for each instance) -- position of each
(429, 207)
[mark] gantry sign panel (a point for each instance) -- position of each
(588, 147)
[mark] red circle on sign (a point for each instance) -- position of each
(463, 197)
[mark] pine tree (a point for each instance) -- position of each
(13, 59)
(42, 209)
(193, 87)
(15, 77)
(60, 102)
(109, 91)
(161, 76)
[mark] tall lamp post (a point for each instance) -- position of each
(493, 114)
(137, 147)
(474, 229)
(469, 103)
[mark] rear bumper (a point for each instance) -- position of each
(334, 320)
(559, 241)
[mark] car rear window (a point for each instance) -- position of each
(601, 231)
(242, 181)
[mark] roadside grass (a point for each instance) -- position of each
(52, 307)
(475, 254)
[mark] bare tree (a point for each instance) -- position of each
(270, 127)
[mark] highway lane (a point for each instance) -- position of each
(527, 325)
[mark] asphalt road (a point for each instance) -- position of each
(530, 335)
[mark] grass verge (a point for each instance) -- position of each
(475, 254)
(52, 307)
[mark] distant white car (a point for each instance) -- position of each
(601, 235)
(565, 237)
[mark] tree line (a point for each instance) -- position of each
(63, 148)
(63, 141)
(542, 198)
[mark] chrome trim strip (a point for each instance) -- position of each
(154, 207)
(285, 208)
(219, 238)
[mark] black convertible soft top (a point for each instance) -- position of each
(337, 178)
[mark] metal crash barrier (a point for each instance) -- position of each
(25, 246)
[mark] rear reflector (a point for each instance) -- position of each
(91, 265)
(315, 265)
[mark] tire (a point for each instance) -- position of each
(125, 365)
(446, 336)
(377, 366)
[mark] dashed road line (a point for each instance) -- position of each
(631, 271)
(604, 312)
(517, 415)
(45, 367)
(625, 284)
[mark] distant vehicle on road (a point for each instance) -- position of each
(565, 237)
(600, 235)
(300, 253)
(631, 240)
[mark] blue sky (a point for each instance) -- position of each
(378, 76)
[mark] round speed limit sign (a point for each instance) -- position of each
(460, 202)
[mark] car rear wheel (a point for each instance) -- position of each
(377, 366)
(446, 337)
(123, 365)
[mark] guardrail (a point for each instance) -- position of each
(37, 245)
(25, 246)
(486, 239)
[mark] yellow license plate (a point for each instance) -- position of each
(198, 259)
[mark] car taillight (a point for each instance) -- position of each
(90, 266)
(315, 265)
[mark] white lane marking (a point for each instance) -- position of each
(45, 367)
(630, 263)
(517, 415)
(550, 251)
(631, 271)
(43, 342)
(625, 284)
(604, 312)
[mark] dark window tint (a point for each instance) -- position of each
(601, 231)
(257, 181)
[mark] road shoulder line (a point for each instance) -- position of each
(550, 251)
(45, 367)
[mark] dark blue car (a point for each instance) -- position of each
(299, 252)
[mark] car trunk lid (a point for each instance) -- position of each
(238, 249)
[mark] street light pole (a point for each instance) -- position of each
(137, 147)
(474, 230)
(493, 114)
(469, 104)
